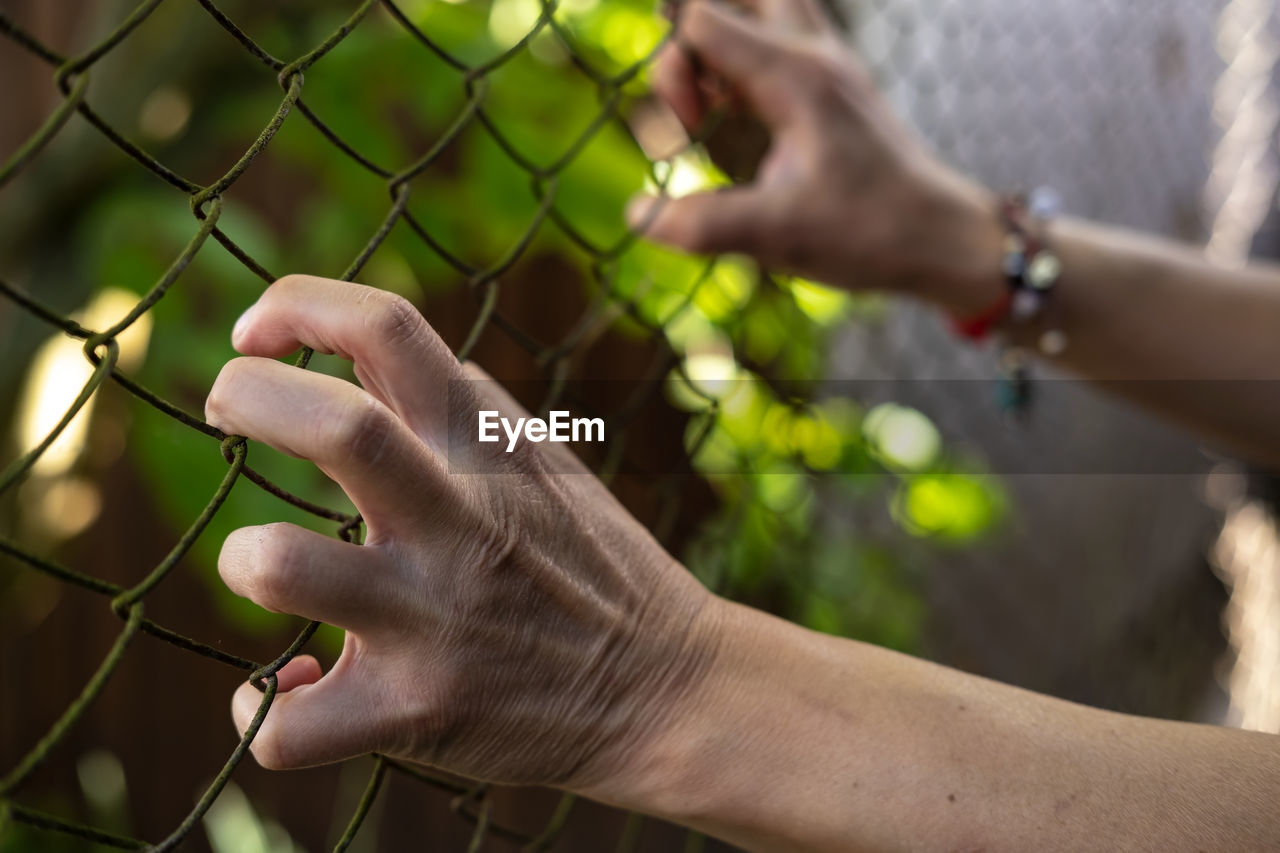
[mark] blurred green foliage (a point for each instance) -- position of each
(754, 345)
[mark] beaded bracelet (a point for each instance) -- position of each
(1031, 271)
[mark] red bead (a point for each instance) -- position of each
(979, 326)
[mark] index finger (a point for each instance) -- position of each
(744, 52)
(398, 357)
(387, 471)
(800, 16)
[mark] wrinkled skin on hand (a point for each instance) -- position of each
(516, 626)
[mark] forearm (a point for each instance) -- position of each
(847, 194)
(1150, 320)
(807, 742)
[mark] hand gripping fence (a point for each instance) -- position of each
(72, 75)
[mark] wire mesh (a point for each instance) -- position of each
(72, 75)
(946, 65)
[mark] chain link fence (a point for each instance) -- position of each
(73, 75)
(1107, 100)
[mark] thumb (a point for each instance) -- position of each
(710, 223)
(315, 722)
(743, 52)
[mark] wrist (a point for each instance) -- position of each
(668, 770)
(953, 247)
(737, 756)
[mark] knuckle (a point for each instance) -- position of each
(285, 285)
(394, 319)
(362, 429)
(828, 79)
(475, 373)
(698, 22)
(814, 71)
(705, 27)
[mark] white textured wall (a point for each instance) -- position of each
(1107, 100)
(1097, 589)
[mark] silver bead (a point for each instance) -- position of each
(1026, 304)
(1013, 358)
(1044, 203)
(1044, 271)
(1054, 343)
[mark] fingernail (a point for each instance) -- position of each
(242, 324)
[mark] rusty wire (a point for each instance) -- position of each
(72, 74)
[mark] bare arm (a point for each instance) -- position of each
(807, 742)
(519, 626)
(849, 196)
(1196, 342)
(522, 627)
